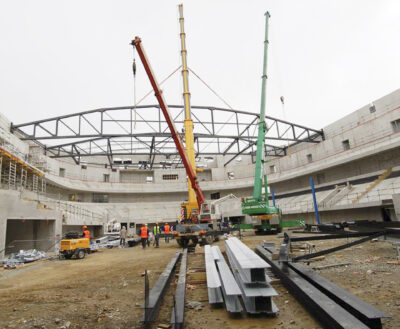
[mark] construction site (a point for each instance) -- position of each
(159, 215)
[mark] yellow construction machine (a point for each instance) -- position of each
(74, 246)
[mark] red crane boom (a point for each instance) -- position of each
(137, 43)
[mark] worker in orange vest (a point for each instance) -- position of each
(166, 231)
(86, 232)
(144, 234)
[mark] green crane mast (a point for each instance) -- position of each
(258, 205)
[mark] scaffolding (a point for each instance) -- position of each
(16, 173)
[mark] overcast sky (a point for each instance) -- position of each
(327, 58)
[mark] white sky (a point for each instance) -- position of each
(327, 58)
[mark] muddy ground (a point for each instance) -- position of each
(106, 289)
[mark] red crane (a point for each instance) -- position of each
(137, 43)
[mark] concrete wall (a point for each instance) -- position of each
(15, 208)
(396, 203)
(370, 213)
(370, 164)
(41, 234)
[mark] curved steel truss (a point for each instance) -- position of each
(142, 131)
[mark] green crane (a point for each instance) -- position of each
(258, 205)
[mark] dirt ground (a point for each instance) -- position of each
(106, 289)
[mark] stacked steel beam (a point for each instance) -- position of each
(249, 272)
(229, 287)
(213, 280)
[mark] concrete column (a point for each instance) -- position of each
(3, 230)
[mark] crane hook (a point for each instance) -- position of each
(134, 67)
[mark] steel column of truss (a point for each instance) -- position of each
(101, 132)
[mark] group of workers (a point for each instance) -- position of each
(145, 235)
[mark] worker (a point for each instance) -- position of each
(86, 232)
(166, 231)
(143, 235)
(156, 232)
(122, 236)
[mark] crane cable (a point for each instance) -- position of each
(223, 100)
(134, 87)
(279, 80)
(282, 98)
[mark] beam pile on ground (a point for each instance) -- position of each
(154, 298)
(213, 281)
(332, 306)
(361, 310)
(249, 272)
(230, 288)
(178, 310)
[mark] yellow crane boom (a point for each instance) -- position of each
(191, 206)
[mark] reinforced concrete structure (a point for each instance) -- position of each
(101, 166)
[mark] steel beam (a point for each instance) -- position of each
(102, 125)
(331, 237)
(153, 302)
(344, 246)
(251, 266)
(325, 310)
(363, 311)
(178, 310)
(230, 288)
(213, 281)
(256, 299)
(249, 271)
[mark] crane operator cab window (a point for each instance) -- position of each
(205, 209)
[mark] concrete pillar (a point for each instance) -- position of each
(3, 230)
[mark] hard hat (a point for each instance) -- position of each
(84, 226)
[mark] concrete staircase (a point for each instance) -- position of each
(326, 200)
(346, 189)
(385, 174)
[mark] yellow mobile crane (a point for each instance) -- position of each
(190, 209)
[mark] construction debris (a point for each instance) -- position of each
(24, 256)
(194, 305)
(396, 262)
(369, 260)
(323, 267)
